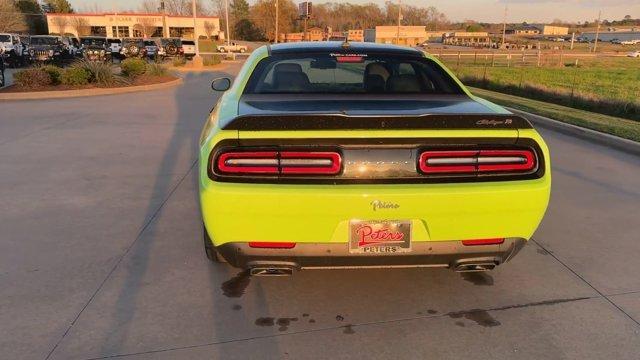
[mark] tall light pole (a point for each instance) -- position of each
(226, 21)
(399, 19)
(277, 11)
(595, 43)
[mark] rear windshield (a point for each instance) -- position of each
(349, 74)
(5, 38)
(176, 42)
(93, 41)
(188, 42)
(44, 41)
(114, 41)
(137, 42)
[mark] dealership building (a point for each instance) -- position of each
(133, 25)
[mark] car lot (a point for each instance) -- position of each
(101, 256)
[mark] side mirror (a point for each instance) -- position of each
(221, 84)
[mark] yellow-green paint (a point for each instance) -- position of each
(242, 212)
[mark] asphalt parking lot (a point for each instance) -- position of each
(101, 256)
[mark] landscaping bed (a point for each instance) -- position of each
(85, 75)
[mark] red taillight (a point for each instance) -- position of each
(476, 161)
(249, 162)
(272, 245)
(327, 163)
(280, 162)
(475, 242)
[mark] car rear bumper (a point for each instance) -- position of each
(446, 254)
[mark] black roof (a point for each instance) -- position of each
(336, 46)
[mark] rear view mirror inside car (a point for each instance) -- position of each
(323, 63)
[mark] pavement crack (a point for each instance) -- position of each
(586, 282)
(124, 254)
(349, 327)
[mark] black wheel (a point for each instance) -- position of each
(209, 249)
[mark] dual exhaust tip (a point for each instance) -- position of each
(280, 270)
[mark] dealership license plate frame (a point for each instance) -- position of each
(360, 245)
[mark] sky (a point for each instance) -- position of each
(531, 11)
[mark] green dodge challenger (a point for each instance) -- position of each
(355, 155)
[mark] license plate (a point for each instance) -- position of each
(384, 237)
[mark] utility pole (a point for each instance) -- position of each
(504, 25)
(197, 59)
(595, 43)
(165, 30)
(277, 11)
(399, 19)
(226, 21)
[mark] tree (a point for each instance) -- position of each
(33, 15)
(148, 26)
(209, 28)
(61, 23)
(11, 19)
(80, 25)
(246, 30)
(264, 13)
(59, 6)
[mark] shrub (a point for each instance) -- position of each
(55, 73)
(99, 73)
(75, 76)
(210, 60)
(154, 69)
(32, 78)
(179, 61)
(133, 67)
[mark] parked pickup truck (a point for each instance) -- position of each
(232, 47)
(189, 47)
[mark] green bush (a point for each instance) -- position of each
(179, 61)
(209, 60)
(133, 67)
(54, 72)
(75, 76)
(32, 78)
(100, 73)
(154, 69)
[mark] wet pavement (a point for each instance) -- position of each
(101, 256)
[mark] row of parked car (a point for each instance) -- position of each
(18, 50)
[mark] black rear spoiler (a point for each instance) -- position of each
(388, 122)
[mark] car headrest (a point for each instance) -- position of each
(288, 67)
(288, 81)
(377, 69)
(403, 83)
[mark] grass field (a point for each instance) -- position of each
(608, 85)
(627, 129)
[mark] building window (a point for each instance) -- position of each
(121, 31)
(99, 31)
(157, 32)
(181, 32)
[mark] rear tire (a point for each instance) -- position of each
(209, 249)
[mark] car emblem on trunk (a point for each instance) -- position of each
(382, 205)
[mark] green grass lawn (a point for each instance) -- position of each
(605, 85)
(627, 129)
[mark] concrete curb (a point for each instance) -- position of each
(618, 143)
(41, 95)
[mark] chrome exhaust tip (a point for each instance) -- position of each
(271, 271)
(474, 267)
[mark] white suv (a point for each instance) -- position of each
(12, 47)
